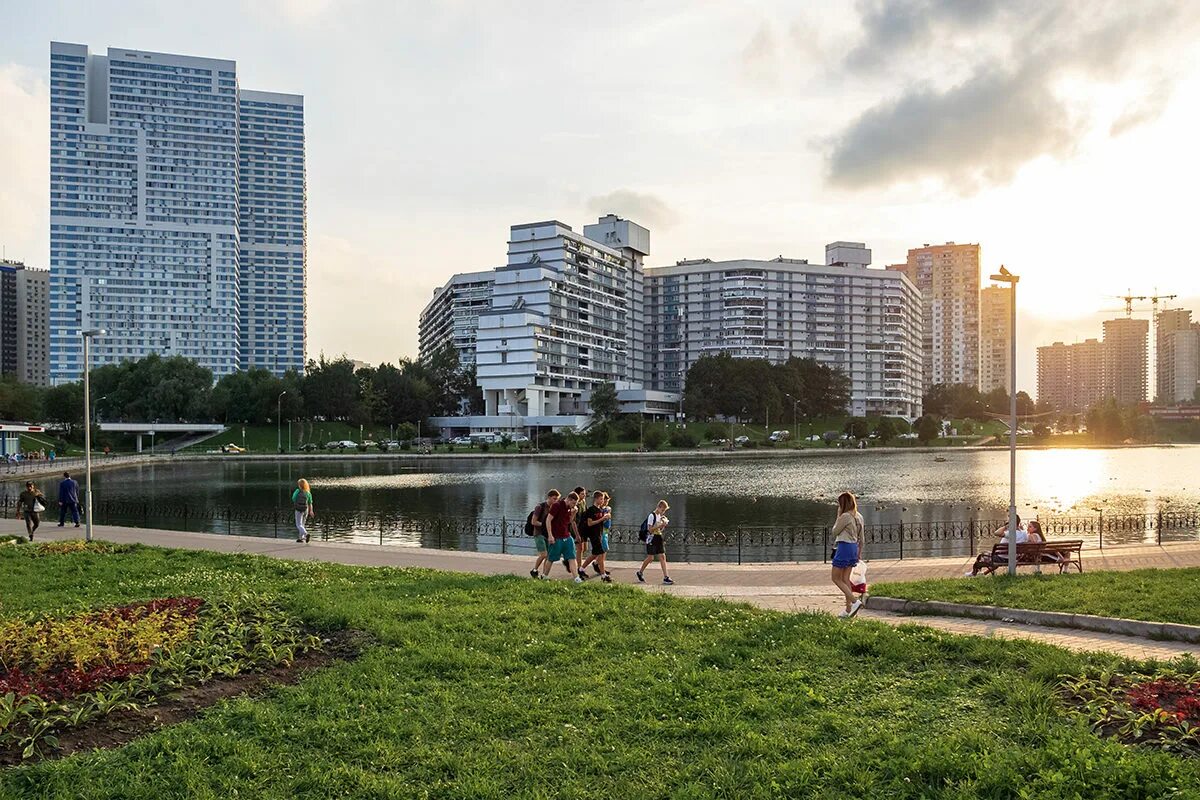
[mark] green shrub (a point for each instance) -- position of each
(654, 437)
(598, 435)
(681, 437)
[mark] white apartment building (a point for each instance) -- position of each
(452, 315)
(564, 315)
(865, 322)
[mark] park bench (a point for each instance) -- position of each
(1062, 554)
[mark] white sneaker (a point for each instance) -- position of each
(844, 615)
(578, 579)
(855, 608)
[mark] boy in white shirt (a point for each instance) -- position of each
(653, 529)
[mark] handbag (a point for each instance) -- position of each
(37, 506)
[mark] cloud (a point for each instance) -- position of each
(24, 165)
(1147, 108)
(1010, 106)
(758, 57)
(644, 209)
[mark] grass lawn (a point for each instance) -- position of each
(508, 688)
(1157, 595)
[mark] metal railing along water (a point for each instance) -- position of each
(737, 544)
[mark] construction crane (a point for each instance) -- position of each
(1129, 297)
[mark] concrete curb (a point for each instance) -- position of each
(1055, 619)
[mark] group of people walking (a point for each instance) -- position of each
(31, 503)
(571, 531)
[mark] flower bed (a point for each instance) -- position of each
(1159, 710)
(58, 672)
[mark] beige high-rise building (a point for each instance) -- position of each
(24, 323)
(1126, 360)
(995, 338)
(948, 277)
(1054, 376)
(1070, 377)
(1169, 360)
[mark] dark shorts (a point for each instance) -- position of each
(596, 541)
(655, 545)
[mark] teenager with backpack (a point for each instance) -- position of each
(562, 544)
(577, 529)
(593, 560)
(651, 533)
(302, 504)
(848, 541)
(535, 526)
(593, 529)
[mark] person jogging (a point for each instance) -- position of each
(561, 543)
(537, 528)
(68, 500)
(848, 549)
(652, 534)
(302, 503)
(31, 503)
(593, 530)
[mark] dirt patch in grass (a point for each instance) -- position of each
(122, 727)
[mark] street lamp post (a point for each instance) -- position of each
(1004, 276)
(279, 421)
(795, 417)
(87, 426)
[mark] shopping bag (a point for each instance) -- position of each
(858, 578)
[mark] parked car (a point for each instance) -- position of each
(391, 444)
(463, 440)
(342, 445)
(780, 436)
(308, 447)
(519, 438)
(741, 440)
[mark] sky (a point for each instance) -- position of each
(1059, 136)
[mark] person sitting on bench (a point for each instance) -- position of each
(985, 559)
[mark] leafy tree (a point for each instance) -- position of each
(604, 403)
(63, 404)
(683, 438)
(598, 435)
(858, 427)
(653, 437)
(406, 431)
(331, 390)
(928, 428)
(885, 429)
(20, 401)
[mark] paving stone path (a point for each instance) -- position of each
(785, 587)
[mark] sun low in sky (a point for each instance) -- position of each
(1060, 136)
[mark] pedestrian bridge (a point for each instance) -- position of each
(152, 429)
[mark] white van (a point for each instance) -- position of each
(484, 438)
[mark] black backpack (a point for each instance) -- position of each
(530, 530)
(644, 531)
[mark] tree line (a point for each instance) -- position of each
(174, 389)
(754, 389)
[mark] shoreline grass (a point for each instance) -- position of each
(506, 688)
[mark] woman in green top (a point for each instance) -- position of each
(30, 503)
(303, 505)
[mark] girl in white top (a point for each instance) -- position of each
(848, 547)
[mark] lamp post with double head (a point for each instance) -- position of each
(87, 336)
(1004, 276)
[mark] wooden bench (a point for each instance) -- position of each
(1063, 554)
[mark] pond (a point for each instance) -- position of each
(714, 494)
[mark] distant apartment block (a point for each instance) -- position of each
(1126, 360)
(864, 322)
(24, 322)
(452, 316)
(177, 214)
(570, 311)
(995, 338)
(1175, 356)
(947, 276)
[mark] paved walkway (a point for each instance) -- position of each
(786, 587)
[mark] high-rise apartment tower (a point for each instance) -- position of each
(176, 213)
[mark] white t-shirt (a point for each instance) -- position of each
(652, 521)
(1022, 537)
